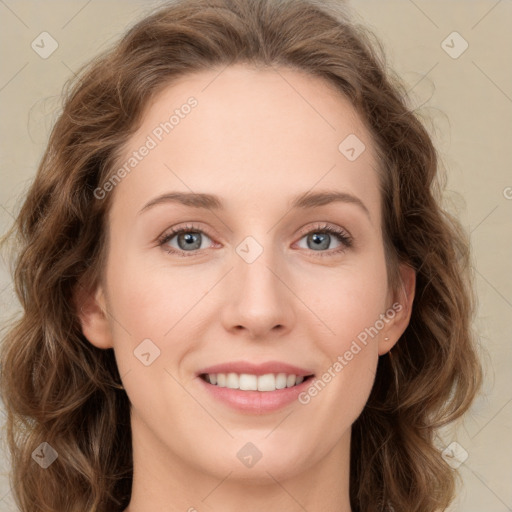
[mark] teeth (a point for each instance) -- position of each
(232, 381)
(248, 382)
(282, 381)
(267, 382)
(221, 380)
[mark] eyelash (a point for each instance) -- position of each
(342, 236)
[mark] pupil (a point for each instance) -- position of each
(190, 239)
(321, 238)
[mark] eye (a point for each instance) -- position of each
(319, 238)
(189, 239)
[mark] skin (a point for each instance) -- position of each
(257, 138)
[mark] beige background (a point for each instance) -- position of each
(467, 102)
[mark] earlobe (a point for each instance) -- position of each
(92, 313)
(402, 306)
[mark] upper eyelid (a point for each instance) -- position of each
(321, 226)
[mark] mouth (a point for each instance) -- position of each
(255, 388)
(250, 382)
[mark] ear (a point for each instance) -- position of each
(400, 302)
(91, 309)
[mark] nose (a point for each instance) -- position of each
(259, 301)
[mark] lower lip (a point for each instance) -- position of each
(257, 402)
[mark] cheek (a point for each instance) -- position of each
(349, 358)
(150, 300)
(152, 327)
(350, 305)
(346, 300)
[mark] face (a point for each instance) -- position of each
(264, 285)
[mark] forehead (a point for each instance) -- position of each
(252, 135)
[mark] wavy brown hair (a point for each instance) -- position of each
(60, 389)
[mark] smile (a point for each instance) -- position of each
(251, 382)
(254, 394)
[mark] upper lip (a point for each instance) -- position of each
(256, 369)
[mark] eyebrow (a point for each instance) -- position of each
(212, 202)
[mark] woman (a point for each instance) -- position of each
(239, 289)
